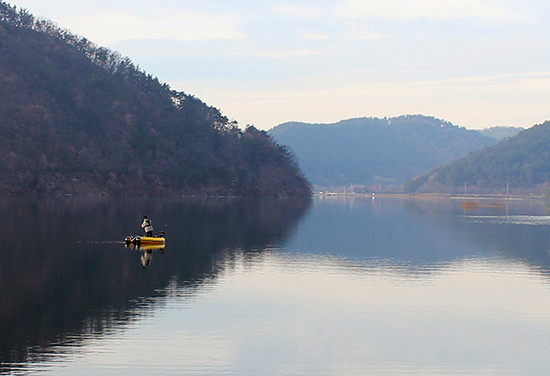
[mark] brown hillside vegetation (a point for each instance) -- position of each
(76, 118)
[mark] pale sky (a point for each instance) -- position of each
(475, 63)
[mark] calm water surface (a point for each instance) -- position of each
(361, 286)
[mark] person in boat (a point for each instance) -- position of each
(147, 225)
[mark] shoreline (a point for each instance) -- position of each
(433, 195)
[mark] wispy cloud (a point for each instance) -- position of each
(300, 11)
(368, 35)
(315, 36)
(435, 9)
(111, 28)
(286, 53)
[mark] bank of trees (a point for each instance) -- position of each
(520, 162)
(79, 118)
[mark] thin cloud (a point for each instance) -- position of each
(188, 26)
(369, 35)
(313, 36)
(287, 53)
(432, 9)
(303, 12)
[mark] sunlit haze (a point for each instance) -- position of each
(475, 63)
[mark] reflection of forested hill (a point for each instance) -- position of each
(517, 231)
(381, 229)
(367, 150)
(63, 276)
(78, 118)
(420, 235)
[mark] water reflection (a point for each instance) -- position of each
(431, 235)
(517, 231)
(146, 251)
(66, 274)
(288, 313)
(361, 286)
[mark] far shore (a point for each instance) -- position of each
(433, 195)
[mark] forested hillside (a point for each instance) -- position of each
(370, 150)
(518, 163)
(79, 118)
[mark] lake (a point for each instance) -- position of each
(328, 286)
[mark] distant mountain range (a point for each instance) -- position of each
(500, 132)
(366, 151)
(520, 164)
(76, 118)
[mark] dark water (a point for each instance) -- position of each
(66, 274)
(275, 287)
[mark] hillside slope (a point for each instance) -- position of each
(370, 150)
(520, 162)
(76, 118)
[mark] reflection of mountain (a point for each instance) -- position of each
(422, 236)
(62, 275)
(509, 237)
(377, 229)
(517, 230)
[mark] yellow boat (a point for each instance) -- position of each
(145, 240)
(146, 247)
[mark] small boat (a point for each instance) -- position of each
(146, 247)
(471, 205)
(145, 240)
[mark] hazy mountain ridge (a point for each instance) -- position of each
(501, 132)
(517, 163)
(78, 118)
(367, 150)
